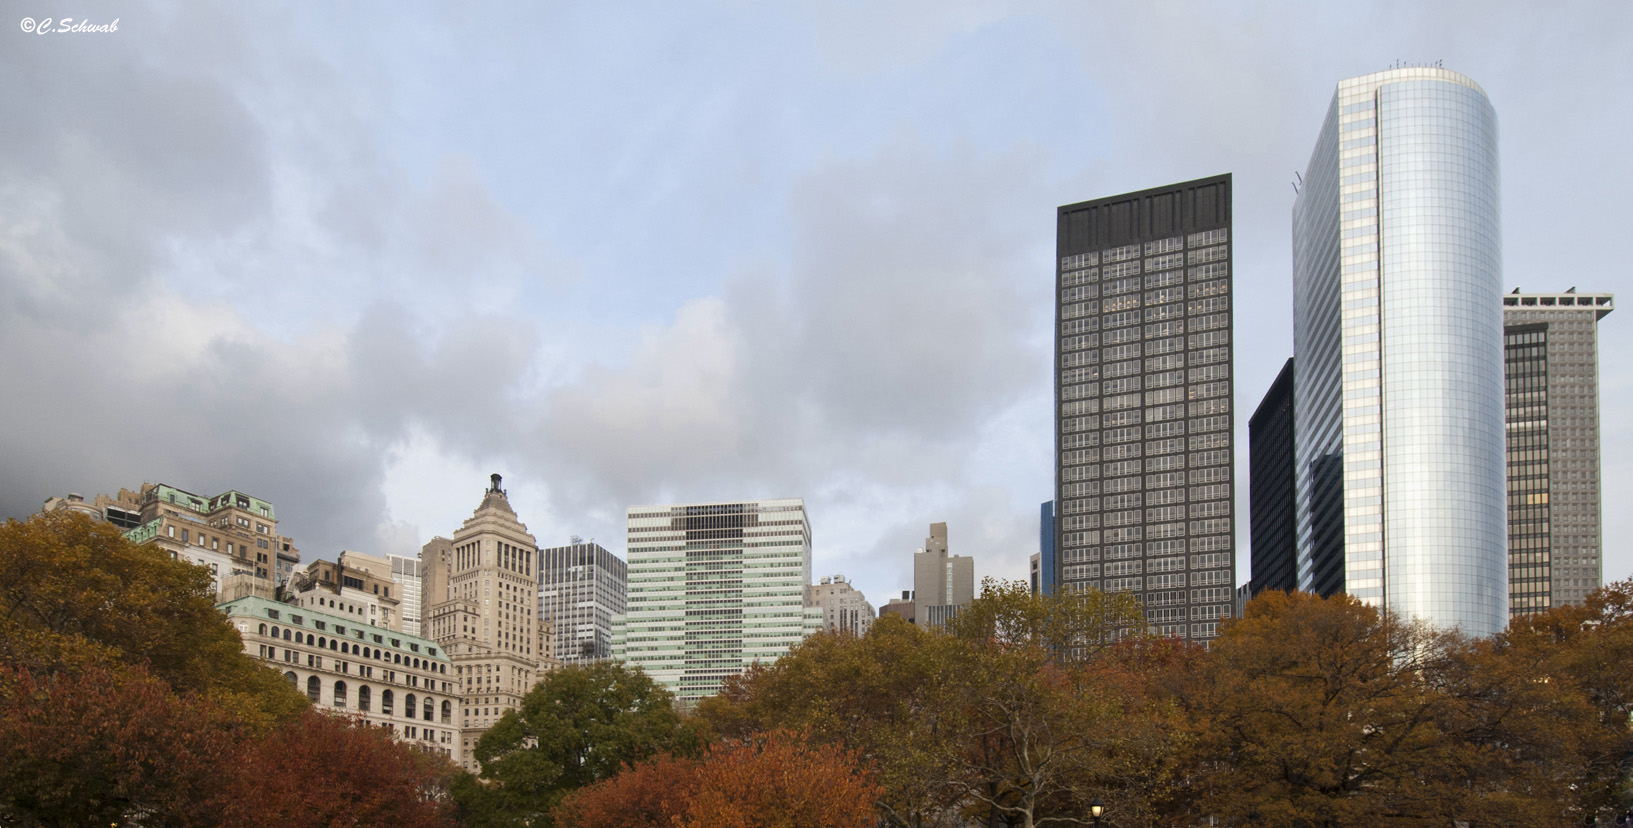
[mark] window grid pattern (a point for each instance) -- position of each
(1526, 408)
(1573, 531)
(1149, 478)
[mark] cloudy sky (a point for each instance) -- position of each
(352, 261)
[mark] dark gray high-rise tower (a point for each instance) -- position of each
(1143, 490)
(1551, 358)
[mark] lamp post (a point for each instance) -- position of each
(1096, 809)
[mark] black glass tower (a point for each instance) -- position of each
(1143, 490)
(1272, 496)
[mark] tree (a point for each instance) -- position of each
(889, 695)
(1070, 625)
(650, 794)
(1020, 715)
(775, 780)
(324, 770)
(1325, 712)
(74, 593)
(580, 725)
(102, 746)
(1574, 664)
(779, 781)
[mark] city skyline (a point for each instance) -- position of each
(317, 291)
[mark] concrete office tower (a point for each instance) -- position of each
(406, 572)
(714, 588)
(1397, 328)
(1551, 352)
(1273, 520)
(232, 534)
(844, 610)
(942, 583)
(1043, 561)
(481, 596)
(389, 679)
(581, 588)
(1144, 500)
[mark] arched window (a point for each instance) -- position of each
(262, 630)
(385, 702)
(294, 681)
(408, 706)
(430, 710)
(286, 635)
(334, 643)
(340, 694)
(397, 658)
(447, 712)
(323, 642)
(363, 698)
(314, 689)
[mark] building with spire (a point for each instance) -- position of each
(481, 597)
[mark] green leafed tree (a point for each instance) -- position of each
(580, 725)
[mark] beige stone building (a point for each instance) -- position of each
(480, 603)
(232, 534)
(352, 586)
(403, 683)
(942, 583)
(844, 609)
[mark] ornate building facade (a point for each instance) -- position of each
(481, 598)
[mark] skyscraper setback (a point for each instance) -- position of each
(1144, 496)
(1398, 352)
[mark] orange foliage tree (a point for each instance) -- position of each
(324, 771)
(100, 746)
(775, 780)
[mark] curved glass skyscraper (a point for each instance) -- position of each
(1398, 333)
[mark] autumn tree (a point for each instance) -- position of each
(1068, 624)
(1328, 712)
(324, 770)
(1554, 693)
(74, 593)
(776, 780)
(580, 725)
(889, 694)
(1015, 715)
(101, 746)
(650, 794)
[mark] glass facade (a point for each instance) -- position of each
(1530, 578)
(1398, 333)
(581, 587)
(1144, 490)
(1273, 526)
(714, 588)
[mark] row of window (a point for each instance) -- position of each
(340, 697)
